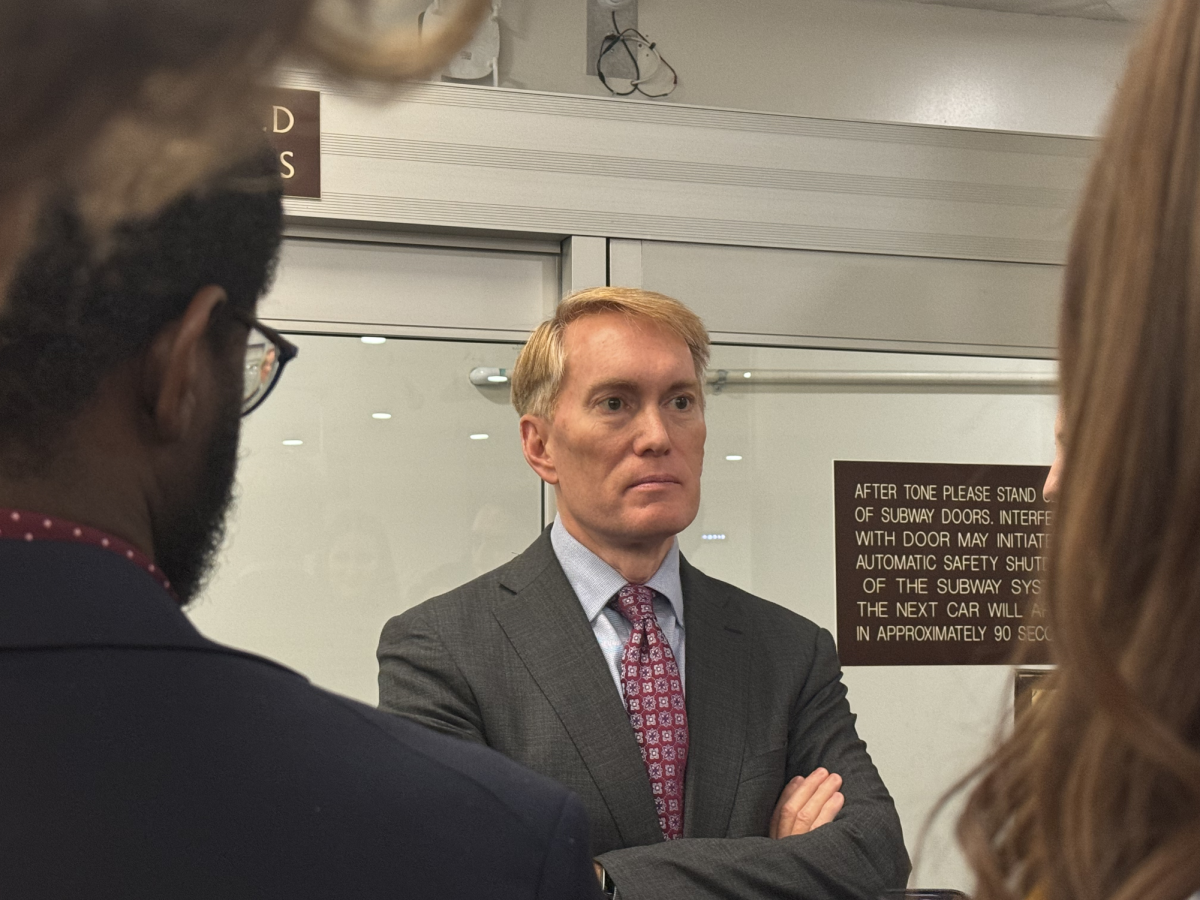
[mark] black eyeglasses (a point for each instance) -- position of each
(267, 352)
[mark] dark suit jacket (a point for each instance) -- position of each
(511, 661)
(138, 759)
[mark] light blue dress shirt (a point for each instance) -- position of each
(595, 583)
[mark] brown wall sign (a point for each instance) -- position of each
(940, 564)
(293, 125)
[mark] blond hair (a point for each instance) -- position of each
(538, 375)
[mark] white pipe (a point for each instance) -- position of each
(722, 378)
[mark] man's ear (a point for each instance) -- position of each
(176, 365)
(535, 437)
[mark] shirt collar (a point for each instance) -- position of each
(595, 582)
(23, 525)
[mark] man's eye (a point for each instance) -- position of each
(682, 402)
(613, 403)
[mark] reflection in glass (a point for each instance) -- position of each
(344, 519)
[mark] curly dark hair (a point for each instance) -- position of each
(77, 309)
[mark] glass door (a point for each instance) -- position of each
(375, 477)
(766, 525)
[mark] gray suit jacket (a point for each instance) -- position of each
(510, 660)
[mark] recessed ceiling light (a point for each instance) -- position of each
(747, 374)
(734, 458)
(293, 442)
(381, 415)
(479, 437)
(374, 339)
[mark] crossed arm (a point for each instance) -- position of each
(821, 846)
(833, 833)
(804, 805)
(807, 803)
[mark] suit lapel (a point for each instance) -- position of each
(716, 672)
(547, 627)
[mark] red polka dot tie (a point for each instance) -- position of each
(653, 693)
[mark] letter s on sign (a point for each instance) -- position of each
(289, 171)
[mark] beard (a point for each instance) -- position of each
(186, 541)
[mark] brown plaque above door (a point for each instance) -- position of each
(293, 126)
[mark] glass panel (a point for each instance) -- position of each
(344, 520)
(774, 506)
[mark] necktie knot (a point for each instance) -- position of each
(635, 602)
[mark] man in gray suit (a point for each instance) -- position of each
(574, 658)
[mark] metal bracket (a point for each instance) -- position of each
(484, 376)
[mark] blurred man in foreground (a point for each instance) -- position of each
(127, 103)
(140, 759)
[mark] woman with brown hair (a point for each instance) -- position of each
(128, 103)
(1097, 793)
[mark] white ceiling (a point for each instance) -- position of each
(1111, 10)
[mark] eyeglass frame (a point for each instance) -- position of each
(286, 349)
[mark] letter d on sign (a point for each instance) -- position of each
(291, 120)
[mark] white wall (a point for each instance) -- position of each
(883, 60)
(755, 295)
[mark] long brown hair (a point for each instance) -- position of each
(130, 102)
(1097, 793)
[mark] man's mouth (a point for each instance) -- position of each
(652, 480)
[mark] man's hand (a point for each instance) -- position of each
(807, 803)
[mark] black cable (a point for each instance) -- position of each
(624, 37)
(611, 40)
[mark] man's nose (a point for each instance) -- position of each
(652, 435)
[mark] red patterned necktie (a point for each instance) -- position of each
(654, 700)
